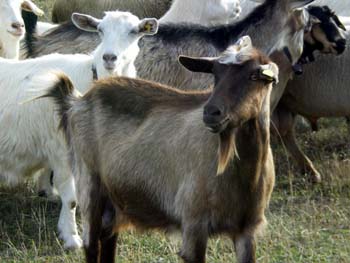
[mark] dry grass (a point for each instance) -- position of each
(306, 223)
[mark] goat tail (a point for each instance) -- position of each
(62, 91)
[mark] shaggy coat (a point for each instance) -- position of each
(154, 164)
(28, 138)
(63, 9)
(157, 57)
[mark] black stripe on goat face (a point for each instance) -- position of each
(237, 97)
(328, 33)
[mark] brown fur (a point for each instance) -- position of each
(227, 150)
(144, 148)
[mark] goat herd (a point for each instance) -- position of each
(193, 155)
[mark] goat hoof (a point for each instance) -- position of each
(316, 178)
(73, 242)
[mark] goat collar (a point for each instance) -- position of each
(288, 54)
(297, 67)
(94, 72)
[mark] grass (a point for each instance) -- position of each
(306, 223)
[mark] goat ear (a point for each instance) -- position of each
(204, 65)
(338, 22)
(257, 1)
(314, 20)
(269, 72)
(85, 22)
(29, 6)
(148, 26)
(293, 4)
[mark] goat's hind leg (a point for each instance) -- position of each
(64, 182)
(92, 212)
(245, 249)
(108, 236)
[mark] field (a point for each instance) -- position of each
(307, 223)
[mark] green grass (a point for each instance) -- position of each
(306, 223)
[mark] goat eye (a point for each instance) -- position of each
(254, 77)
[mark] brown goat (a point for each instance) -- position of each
(142, 156)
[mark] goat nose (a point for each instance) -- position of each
(340, 46)
(17, 25)
(109, 57)
(342, 41)
(212, 110)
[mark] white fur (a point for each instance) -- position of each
(238, 53)
(10, 12)
(205, 12)
(29, 140)
(44, 27)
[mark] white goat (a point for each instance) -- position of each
(29, 140)
(12, 25)
(206, 12)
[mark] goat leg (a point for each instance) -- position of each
(194, 238)
(245, 248)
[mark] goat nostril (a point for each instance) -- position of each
(212, 111)
(17, 25)
(113, 57)
(341, 42)
(109, 57)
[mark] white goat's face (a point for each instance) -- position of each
(10, 16)
(119, 32)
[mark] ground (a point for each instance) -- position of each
(307, 223)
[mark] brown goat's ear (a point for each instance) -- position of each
(85, 22)
(204, 65)
(148, 26)
(29, 6)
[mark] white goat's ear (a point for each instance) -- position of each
(29, 6)
(269, 72)
(85, 22)
(194, 64)
(293, 4)
(148, 26)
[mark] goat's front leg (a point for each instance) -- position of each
(194, 243)
(286, 120)
(245, 248)
(67, 226)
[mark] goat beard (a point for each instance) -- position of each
(227, 149)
